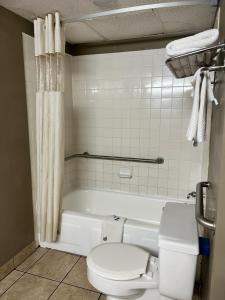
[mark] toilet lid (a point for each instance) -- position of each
(118, 261)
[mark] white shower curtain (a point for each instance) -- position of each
(49, 53)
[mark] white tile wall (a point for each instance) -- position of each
(125, 104)
(129, 104)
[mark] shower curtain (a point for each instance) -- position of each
(49, 55)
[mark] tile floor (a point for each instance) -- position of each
(49, 274)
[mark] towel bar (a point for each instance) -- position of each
(214, 68)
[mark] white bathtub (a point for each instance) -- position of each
(83, 212)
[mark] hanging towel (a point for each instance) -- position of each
(200, 137)
(202, 93)
(112, 229)
(192, 43)
(193, 123)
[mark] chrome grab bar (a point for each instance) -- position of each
(199, 207)
(158, 160)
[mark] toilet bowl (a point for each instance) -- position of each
(124, 271)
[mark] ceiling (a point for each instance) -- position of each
(164, 21)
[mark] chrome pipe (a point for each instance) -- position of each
(157, 160)
(199, 207)
(213, 69)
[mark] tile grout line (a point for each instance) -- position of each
(12, 283)
(81, 256)
(79, 287)
(26, 271)
(53, 291)
(42, 277)
(59, 282)
(72, 285)
(25, 258)
(63, 278)
(71, 268)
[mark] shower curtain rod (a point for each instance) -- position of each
(139, 8)
(157, 160)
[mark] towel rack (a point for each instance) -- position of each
(214, 68)
(157, 160)
(187, 64)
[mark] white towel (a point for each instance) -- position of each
(112, 229)
(193, 123)
(202, 111)
(191, 43)
(202, 93)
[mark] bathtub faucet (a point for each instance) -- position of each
(191, 194)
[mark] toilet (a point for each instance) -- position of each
(125, 271)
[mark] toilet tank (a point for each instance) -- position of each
(178, 251)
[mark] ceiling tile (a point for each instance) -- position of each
(187, 19)
(80, 32)
(127, 26)
(30, 9)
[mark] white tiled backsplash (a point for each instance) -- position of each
(128, 104)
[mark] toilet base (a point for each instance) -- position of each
(149, 294)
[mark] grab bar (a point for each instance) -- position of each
(199, 207)
(157, 160)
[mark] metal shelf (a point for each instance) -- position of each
(187, 64)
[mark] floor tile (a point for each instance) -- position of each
(32, 259)
(23, 254)
(6, 268)
(68, 292)
(30, 287)
(78, 275)
(9, 280)
(54, 265)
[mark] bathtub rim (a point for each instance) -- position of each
(152, 197)
(155, 198)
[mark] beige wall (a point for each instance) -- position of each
(214, 268)
(16, 218)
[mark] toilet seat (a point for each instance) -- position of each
(117, 261)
